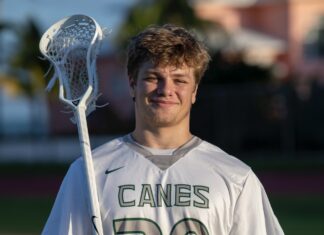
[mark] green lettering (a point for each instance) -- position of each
(163, 195)
(182, 191)
(146, 196)
(203, 198)
(122, 202)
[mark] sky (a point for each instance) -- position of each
(108, 13)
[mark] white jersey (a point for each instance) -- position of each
(197, 189)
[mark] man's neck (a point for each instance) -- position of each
(162, 138)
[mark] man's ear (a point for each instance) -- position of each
(132, 84)
(194, 94)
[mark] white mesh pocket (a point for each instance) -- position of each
(72, 46)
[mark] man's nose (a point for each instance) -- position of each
(165, 87)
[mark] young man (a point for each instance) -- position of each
(161, 179)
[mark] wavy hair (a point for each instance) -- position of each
(167, 45)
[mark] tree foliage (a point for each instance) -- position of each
(158, 12)
(25, 65)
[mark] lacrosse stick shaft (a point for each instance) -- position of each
(81, 121)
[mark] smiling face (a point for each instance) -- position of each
(163, 95)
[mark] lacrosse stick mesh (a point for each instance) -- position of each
(72, 47)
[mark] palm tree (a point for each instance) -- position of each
(27, 58)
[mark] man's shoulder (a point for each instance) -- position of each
(102, 155)
(219, 154)
(112, 146)
(222, 161)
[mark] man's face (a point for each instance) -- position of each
(163, 95)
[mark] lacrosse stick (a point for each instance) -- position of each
(71, 45)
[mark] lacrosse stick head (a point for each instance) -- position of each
(72, 45)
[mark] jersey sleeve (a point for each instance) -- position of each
(69, 214)
(253, 214)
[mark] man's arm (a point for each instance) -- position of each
(253, 214)
(69, 214)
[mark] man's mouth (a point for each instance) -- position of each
(163, 103)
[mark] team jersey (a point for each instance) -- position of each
(195, 189)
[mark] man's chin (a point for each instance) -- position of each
(163, 122)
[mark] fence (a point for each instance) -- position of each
(260, 117)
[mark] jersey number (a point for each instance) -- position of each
(145, 226)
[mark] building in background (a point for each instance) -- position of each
(289, 32)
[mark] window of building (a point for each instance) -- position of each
(314, 41)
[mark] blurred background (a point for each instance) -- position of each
(261, 99)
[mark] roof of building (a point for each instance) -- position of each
(238, 3)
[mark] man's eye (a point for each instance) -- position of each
(150, 79)
(180, 81)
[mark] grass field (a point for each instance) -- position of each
(297, 215)
(26, 213)
(300, 215)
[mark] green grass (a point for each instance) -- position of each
(300, 215)
(24, 215)
(297, 215)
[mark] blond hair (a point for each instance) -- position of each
(167, 45)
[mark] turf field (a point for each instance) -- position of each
(297, 215)
(26, 197)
